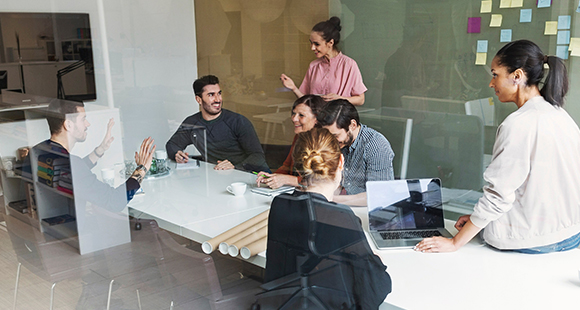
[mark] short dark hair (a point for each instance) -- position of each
(202, 82)
(529, 57)
(339, 111)
(57, 111)
(329, 30)
(314, 102)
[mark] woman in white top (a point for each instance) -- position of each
(531, 202)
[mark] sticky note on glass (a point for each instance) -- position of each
(505, 35)
(474, 25)
(551, 28)
(575, 52)
(526, 16)
(562, 51)
(505, 4)
(495, 20)
(544, 3)
(563, 37)
(482, 46)
(517, 3)
(480, 59)
(574, 44)
(485, 7)
(564, 21)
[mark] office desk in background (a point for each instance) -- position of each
(195, 204)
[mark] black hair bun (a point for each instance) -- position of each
(336, 22)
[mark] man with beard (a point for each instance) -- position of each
(67, 121)
(368, 155)
(231, 139)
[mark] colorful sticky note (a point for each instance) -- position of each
(505, 35)
(485, 7)
(575, 52)
(517, 3)
(544, 3)
(480, 59)
(564, 21)
(551, 28)
(495, 20)
(574, 44)
(562, 51)
(505, 4)
(526, 16)
(474, 25)
(563, 37)
(482, 46)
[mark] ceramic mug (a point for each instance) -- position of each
(237, 188)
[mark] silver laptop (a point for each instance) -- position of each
(403, 212)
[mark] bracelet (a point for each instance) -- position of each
(96, 154)
(141, 167)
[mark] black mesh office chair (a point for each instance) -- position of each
(321, 246)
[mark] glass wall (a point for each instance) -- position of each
(424, 61)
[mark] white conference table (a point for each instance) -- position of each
(195, 204)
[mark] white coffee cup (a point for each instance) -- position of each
(108, 175)
(161, 154)
(237, 188)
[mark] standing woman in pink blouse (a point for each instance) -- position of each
(332, 75)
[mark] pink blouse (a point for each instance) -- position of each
(339, 75)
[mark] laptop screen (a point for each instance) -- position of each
(405, 204)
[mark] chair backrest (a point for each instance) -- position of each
(187, 268)
(303, 225)
(333, 227)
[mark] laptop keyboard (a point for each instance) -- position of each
(409, 234)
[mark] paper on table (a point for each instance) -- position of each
(551, 28)
(254, 248)
(224, 245)
(210, 245)
(234, 249)
(495, 20)
(191, 164)
(485, 6)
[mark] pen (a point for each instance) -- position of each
(254, 172)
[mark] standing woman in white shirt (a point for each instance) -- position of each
(531, 202)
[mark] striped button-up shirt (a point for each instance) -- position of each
(369, 158)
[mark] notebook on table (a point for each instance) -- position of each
(403, 212)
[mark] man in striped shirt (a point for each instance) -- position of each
(368, 155)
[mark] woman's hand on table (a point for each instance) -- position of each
(274, 180)
(435, 245)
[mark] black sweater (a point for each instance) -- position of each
(231, 136)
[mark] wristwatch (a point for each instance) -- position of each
(141, 167)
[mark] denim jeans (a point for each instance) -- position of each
(568, 244)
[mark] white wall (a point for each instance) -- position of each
(151, 51)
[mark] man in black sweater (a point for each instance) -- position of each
(231, 139)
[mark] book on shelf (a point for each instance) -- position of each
(64, 190)
(52, 160)
(19, 205)
(61, 219)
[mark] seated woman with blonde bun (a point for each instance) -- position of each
(304, 113)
